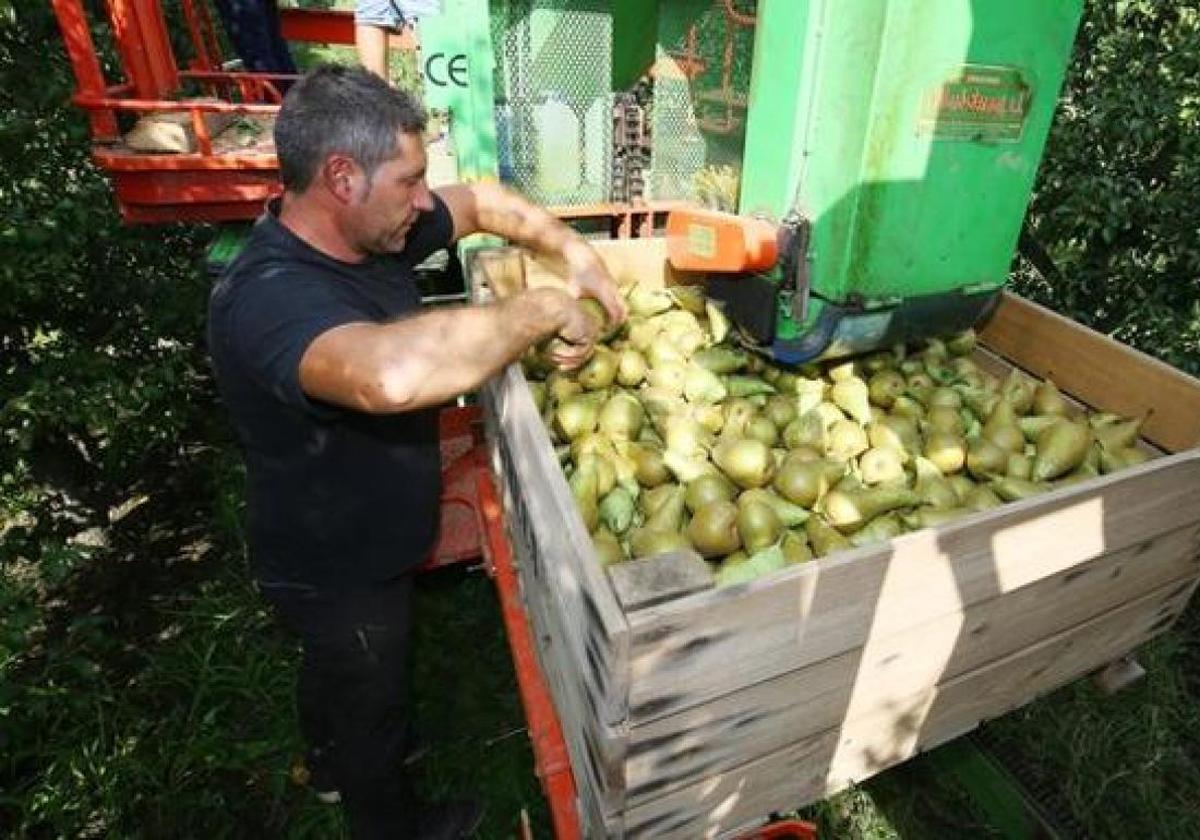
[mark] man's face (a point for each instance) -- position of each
(386, 207)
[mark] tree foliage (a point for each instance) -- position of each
(1115, 203)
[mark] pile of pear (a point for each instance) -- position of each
(672, 437)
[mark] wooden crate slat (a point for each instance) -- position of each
(689, 651)
(677, 750)
(821, 765)
(591, 622)
(1098, 370)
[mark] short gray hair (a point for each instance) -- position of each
(336, 108)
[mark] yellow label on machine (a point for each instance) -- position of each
(702, 240)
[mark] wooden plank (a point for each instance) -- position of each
(664, 577)
(671, 752)
(821, 765)
(597, 752)
(628, 261)
(689, 651)
(1098, 370)
(560, 553)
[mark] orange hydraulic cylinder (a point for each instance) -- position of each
(707, 240)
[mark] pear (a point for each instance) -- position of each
(1034, 424)
(1048, 400)
(880, 464)
(945, 398)
(631, 368)
(846, 440)
(897, 433)
(963, 343)
(806, 430)
(608, 547)
(668, 514)
(622, 416)
(713, 530)
(1113, 460)
(646, 301)
(1018, 392)
(850, 510)
(795, 548)
(761, 428)
(616, 510)
(560, 386)
(720, 360)
(884, 387)
(649, 469)
(879, 529)
(583, 486)
(758, 525)
(1019, 466)
(906, 406)
(1001, 427)
(703, 386)
(1061, 448)
(932, 517)
(945, 419)
(931, 486)
(600, 370)
(981, 497)
(748, 462)
(823, 538)
(781, 410)
(1014, 489)
(802, 483)
(789, 514)
(737, 570)
(646, 542)
(747, 386)
(1120, 435)
(986, 460)
(851, 395)
(946, 450)
(689, 298)
(708, 489)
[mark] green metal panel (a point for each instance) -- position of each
(456, 48)
(635, 24)
(908, 131)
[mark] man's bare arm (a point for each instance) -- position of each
(492, 208)
(430, 358)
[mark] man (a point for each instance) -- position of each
(333, 380)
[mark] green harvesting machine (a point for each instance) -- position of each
(857, 171)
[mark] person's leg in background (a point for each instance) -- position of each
(374, 21)
(253, 28)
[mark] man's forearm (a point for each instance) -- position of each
(435, 357)
(507, 214)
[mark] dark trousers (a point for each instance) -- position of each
(253, 27)
(352, 694)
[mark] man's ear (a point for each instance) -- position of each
(342, 177)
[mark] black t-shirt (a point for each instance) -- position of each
(335, 497)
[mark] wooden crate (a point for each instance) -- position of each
(691, 711)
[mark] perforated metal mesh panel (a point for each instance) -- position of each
(554, 106)
(701, 88)
(554, 112)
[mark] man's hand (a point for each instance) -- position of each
(590, 278)
(576, 338)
